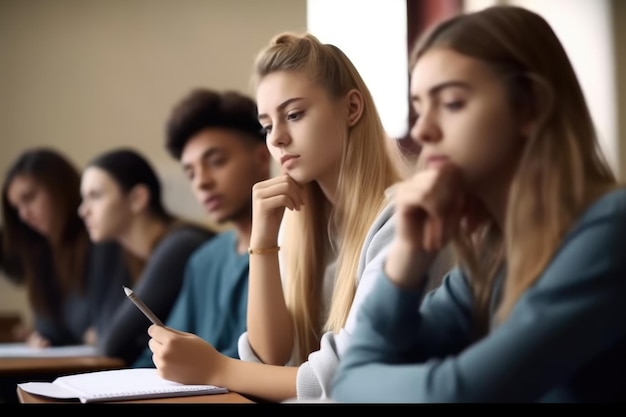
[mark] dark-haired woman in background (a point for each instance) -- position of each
(122, 202)
(46, 247)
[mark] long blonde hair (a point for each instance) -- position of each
(366, 172)
(560, 163)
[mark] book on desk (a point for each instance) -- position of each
(115, 385)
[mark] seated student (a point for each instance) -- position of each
(46, 247)
(535, 310)
(218, 141)
(321, 125)
(122, 202)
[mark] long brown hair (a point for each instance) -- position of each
(367, 170)
(31, 257)
(561, 161)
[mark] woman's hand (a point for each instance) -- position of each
(184, 357)
(269, 200)
(36, 340)
(429, 208)
(90, 337)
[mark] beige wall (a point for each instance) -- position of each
(87, 75)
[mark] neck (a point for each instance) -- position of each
(494, 197)
(328, 184)
(141, 236)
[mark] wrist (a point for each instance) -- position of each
(226, 371)
(263, 242)
(406, 266)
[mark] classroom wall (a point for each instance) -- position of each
(88, 75)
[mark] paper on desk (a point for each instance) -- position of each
(48, 389)
(116, 384)
(22, 350)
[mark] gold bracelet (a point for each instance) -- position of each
(263, 251)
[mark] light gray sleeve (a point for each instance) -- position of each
(316, 374)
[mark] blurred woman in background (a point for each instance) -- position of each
(46, 246)
(122, 202)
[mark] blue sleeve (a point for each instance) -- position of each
(180, 317)
(572, 315)
(126, 334)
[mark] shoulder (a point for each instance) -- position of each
(219, 243)
(191, 231)
(381, 231)
(184, 238)
(610, 205)
(592, 250)
(188, 233)
(378, 238)
(606, 217)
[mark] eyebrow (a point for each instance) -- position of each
(207, 153)
(281, 106)
(436, 89)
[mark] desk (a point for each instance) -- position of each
(62, 365)
(17, 370)
(227, 398)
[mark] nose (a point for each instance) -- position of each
(279, 136)
(82, 210)
(204, 180)
(426, 129)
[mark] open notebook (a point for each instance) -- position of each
(116, 385)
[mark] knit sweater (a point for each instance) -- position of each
(564, 340)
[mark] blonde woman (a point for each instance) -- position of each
(535, 310)
(323, 129)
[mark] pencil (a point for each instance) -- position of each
(141, 306)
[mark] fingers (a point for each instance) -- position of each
(37, 341)
(429, 206)
(280, 191)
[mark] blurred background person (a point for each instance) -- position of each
(122, 202)
(217, 139)
(46, 246)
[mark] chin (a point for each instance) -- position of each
(299, 177)
(95, 238)
(218, 218)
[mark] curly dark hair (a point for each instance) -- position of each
(204, 108)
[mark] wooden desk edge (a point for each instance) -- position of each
(227, 398)
(16, 366)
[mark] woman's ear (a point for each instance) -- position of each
(354, 101)
(139, 198)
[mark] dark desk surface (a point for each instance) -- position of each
(62, 365)
(227, 398)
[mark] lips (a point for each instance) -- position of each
(286, 158)
(212, 203)
(433, 161)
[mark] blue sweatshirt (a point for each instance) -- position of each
(564, 341)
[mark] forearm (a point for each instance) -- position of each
(269, 323)
(268, 382)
